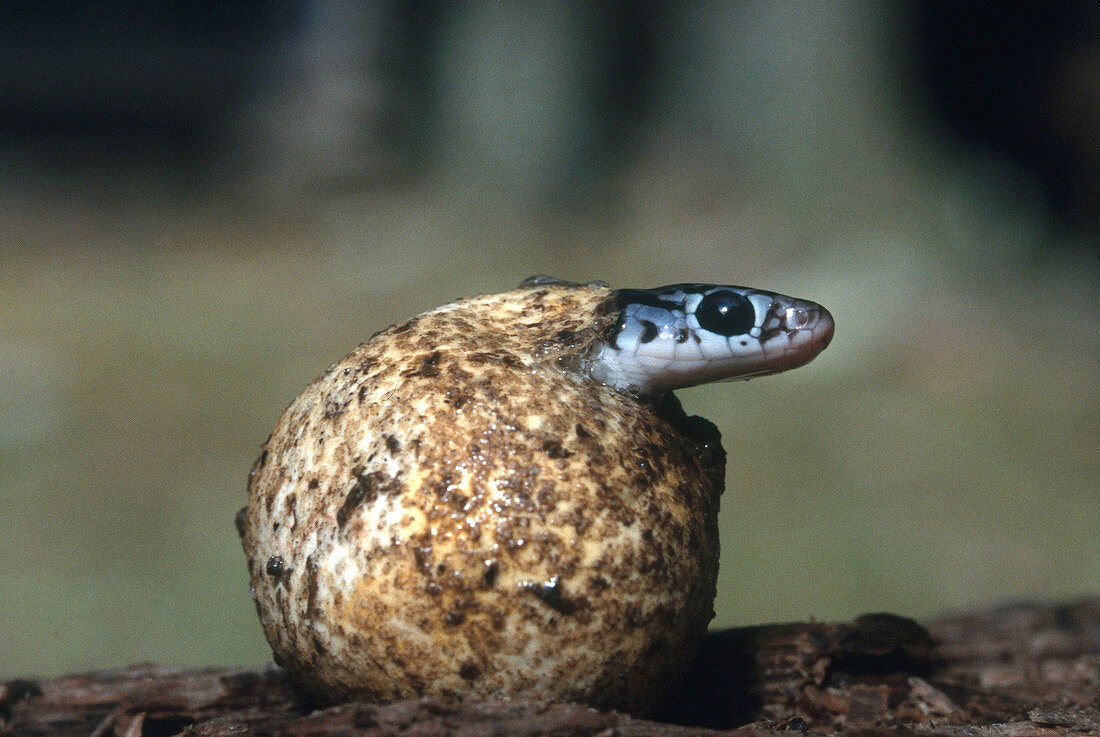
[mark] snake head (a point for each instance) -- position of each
(687, 334)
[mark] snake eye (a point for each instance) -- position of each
(726, 313)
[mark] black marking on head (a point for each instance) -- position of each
(767, 335)
(694, 288)
(726, 313)
(649, 332)
(647, 297)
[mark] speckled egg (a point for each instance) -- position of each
(454, 509)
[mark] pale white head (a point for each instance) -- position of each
(687, 334)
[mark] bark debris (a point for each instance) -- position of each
(1010, 671)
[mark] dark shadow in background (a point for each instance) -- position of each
(154, 86)
(1022, 80)
(162, 87)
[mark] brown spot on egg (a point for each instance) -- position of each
(552, 594)
(275, 566)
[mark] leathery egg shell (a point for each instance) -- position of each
(450, 510)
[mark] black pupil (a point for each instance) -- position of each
(725, 313)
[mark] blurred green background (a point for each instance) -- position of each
(203, 205)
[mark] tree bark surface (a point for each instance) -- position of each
(1012, 671)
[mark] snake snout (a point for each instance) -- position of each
(823, 328)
